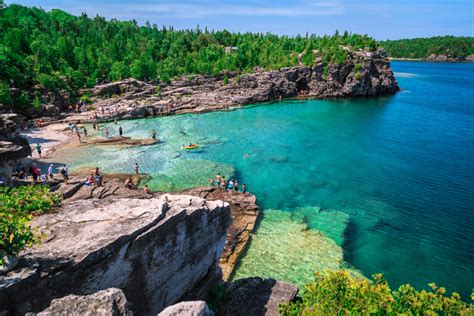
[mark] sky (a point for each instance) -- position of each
(381, 19)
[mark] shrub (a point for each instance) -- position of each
(17, 207)
(336, 293)
(237, 78)
(86, 99)
(358, 76)
(158, 91)
(226, 80)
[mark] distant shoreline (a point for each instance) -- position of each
(427, 60)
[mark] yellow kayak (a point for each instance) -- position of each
(191, 146)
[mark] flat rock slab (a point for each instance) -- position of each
(110, 302)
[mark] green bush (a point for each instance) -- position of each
(85, 98)
(337, 293)
(17, 207)
(226, 80)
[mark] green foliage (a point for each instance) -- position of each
(86, 98)
(226, 80)
(237, 78)
(326, 71)
(337, 293)
(62, 51)
(5, 97)
(158, 90)
(17, 207)
(423, 47)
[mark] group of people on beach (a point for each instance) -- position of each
(21, 173)
(232, 186)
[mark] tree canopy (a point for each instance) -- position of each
(57, 50)
(423, 47)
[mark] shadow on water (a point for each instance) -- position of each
(349, 243)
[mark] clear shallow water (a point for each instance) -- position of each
(383, 185)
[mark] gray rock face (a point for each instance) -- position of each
(191, 308)
(13, 147)
(110, 302)
(155, 250)
(363, 74)
(256, 296)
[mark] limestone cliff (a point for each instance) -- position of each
(154, 250)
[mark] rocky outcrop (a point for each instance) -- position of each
(363, 74)
(191, 308)
(255, 297)
(154, 250)
(118, 141)
(110, 302)
(13, 147)
(244, 211)
(446, 57)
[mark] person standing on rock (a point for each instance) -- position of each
(106, 133)
(244, 188)
(218, 180)
(50, 171)
(85, 131)
(38, 149)
(153, 135)
(64, 172)
(120, 131)
(135, 167)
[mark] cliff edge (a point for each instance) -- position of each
(155, 250)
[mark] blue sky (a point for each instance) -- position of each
(381, 19)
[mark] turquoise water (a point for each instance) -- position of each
(378, 185)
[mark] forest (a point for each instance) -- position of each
(57, 51)
(453, 46)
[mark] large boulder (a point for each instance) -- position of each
(256, 297)
(190, 308)
(109, 302)
(155, 250)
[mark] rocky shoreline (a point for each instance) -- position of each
(364, 74)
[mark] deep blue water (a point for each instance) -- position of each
(397, 170)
